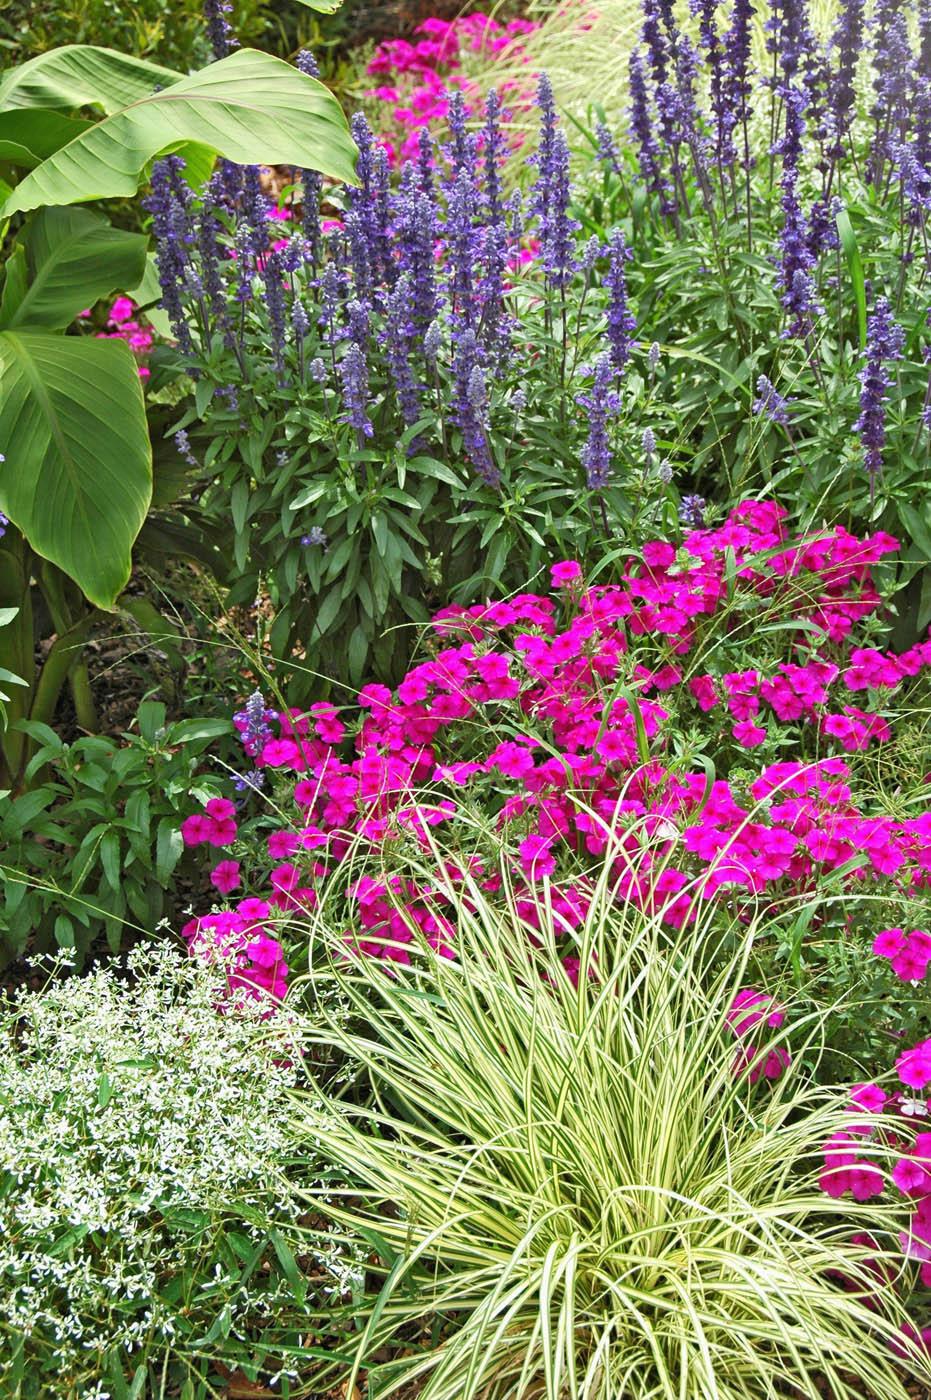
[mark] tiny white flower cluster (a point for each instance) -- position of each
(142, 1122)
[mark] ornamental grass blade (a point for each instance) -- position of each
(249, 107)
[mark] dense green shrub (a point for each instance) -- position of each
(92, 846)
(166, 31)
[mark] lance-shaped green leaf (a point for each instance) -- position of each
(77, 478)
(81, 75)
(73, 257)
(249, 107)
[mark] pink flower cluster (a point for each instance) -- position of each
(416, 76)
(751, 1009)
(244, 939)
(908, 953)
(123, 325)
(538, 708)
(881, 1131)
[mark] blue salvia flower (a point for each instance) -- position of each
(169, 204)
(706, 11)
(461, 149)
(648, 443)
(544, 158)
(601, 404)
(316, 536)
(655, 42)
(383, 260)
(495, 325)
(796, 263)
(822, 226)
(364, 200)
(642, 127)
(770, 404)
(398, 341)
(621, 321)
(462, 253)
(317, 370)
(469, 409)
(183, 444)
(4, 523)
(276, 306)
(893, 93)
(556, 227)
(592, 251)
(433, 343)
(219, 33)
(415, 222)
(254, 723)
(300, 324)
(306, 63)
(692, 511)
(892, 62)
(607, 150)
(426, 160)
(885, 341)
(737, 82)
(360, 253)
(354, 378)
(358, 322)
(209, 228)
(255, 210)
(846, 46)
(332, 290)
(493, 154)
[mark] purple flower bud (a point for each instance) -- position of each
(219, 33)
(692, 511)
(354, 377)
(469, 410)
(601, 404)
(621, 321)
(885, 342)
(769, 403)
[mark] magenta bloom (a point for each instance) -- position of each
(536, 858)
(565, 574)
(196, 829)
(914, 1066)
(225, 876)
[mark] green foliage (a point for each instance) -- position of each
(585, 1199)
(77, 482)
(91, 849)
(169, 32)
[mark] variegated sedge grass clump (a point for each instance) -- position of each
(147, 1219)
(573, 1192)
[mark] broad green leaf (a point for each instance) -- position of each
(249, 107)
(81, 75)
(28, 137)
(73, 257)
(322, 7)
(78, 473)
